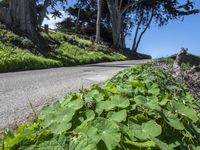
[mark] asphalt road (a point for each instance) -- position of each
(41, 87)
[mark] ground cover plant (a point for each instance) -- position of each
(19, 53)
(17, 60)
(140, 108)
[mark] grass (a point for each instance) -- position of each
(19, 53)
(12, 59)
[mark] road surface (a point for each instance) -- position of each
(41, 87)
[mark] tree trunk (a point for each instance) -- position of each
(21, 16)
(43, 12)
(98, 23)
(77, 20)
(137, 39)
(116, 19)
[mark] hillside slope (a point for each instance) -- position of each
(19, 53)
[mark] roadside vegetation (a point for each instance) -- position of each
(18, 53)
(140, 108)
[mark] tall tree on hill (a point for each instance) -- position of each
(164, 10)
(117, 9)
(21, 15)
(87, 20)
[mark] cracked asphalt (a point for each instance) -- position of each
(40, 87)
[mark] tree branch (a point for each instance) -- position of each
(130, 4)
(147, 26)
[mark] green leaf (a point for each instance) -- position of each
(76, 104)
(58, 119)
(144, 131)
(119, 101)
(136, 83)
(115, 101)
(161, 144)
(118, 116)
(154, 91)
(81, 142)
(164, 102)
(146, 144)
(94, 95)
(108, 131)
(140, 100)
(185, 111)
(56, 143)
(173, 121)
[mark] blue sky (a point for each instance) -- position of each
(166, 40)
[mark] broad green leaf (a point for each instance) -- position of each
(108, 131)
(164, 102)
(185, 111)
(119, 101)
(118, 116)
(154, 91)
(90, 131)
(56, 143)
(81, 142)
(57, 121)
(76, 104)
(115, 101)
(173, 121)
(160, 144)
(146, 144)
(94, 95)
(153, 104)
(136, 83)
(145, 130)
(140, 100)
(111, 89)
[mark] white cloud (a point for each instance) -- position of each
(52, 21)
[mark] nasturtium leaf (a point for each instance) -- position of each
(111, 89)
(55, 143)
(118, 116)
(160, 144)
(104, 105)
(115, 101)
(153, 104)
(76, 104)
(57, 121)
(69, 98)
(136, 83)
(94, 95)
(147, 144)
(81, 142)
(145, 130)
(90, 115)
(185, 111)
(119, 101)
(154, 91)
(108, 131)
(173, 121)
(140, 100)
(164, 101)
